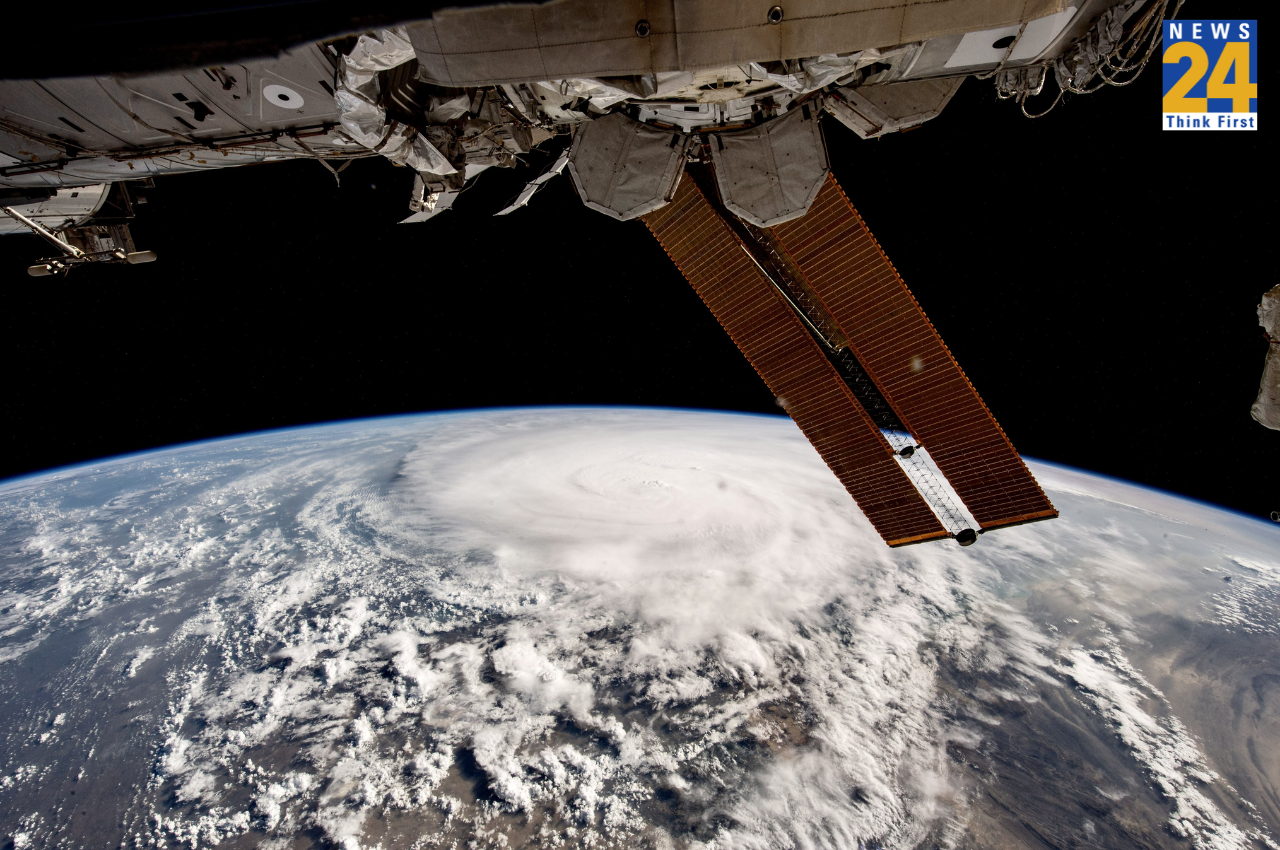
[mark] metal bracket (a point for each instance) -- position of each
(71, 255)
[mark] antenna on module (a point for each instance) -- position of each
(92, 244)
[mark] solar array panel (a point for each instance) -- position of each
(898, 346)
(771, 335)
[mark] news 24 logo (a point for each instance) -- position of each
(1210, 75)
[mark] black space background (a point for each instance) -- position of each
(1097, 279)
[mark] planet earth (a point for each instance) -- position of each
(617, 628)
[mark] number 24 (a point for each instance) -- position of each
(1239, 92)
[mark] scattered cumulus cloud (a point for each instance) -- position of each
(576, 629)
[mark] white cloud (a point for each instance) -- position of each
(585, 620)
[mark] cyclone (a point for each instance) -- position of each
(615, 628)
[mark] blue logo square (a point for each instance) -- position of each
(1211, 74)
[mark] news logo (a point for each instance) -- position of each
(1210, 75)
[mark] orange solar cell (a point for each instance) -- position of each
(898, 346)
(792, 363)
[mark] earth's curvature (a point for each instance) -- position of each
(617, 628)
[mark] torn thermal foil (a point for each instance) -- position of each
(428, 205)
(365, 121)
(820, 71)
(527, 193)
(872, 111)
(600, 94)
(1267, 407)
